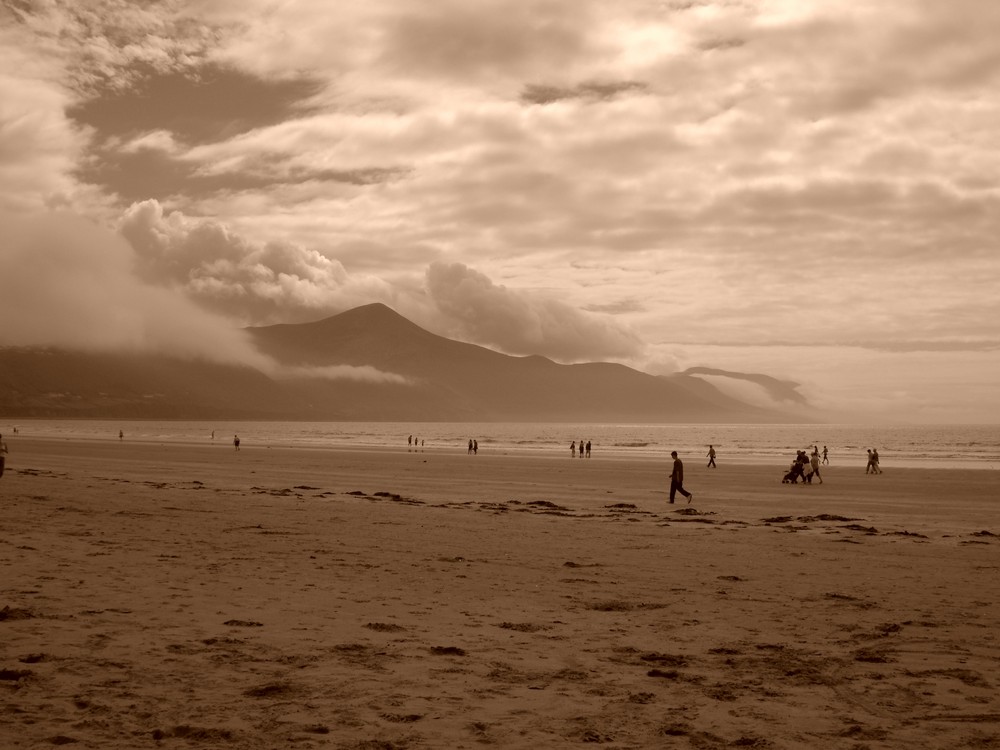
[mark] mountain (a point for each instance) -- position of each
(409, 374)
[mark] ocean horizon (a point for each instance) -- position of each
(973, 446)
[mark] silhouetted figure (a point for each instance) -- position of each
(588, 449)
(572, 449)
(3, 455)
(825, 459)
(869, 467)
(875, 467)
(470, 446)
(797, 469)
(677, 479)
(236, 442)
(581, 449)
(711, 457)
(475, 447)
(409, 442)
(121, 435)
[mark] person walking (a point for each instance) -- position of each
(826, 460)
(875, 466)
(3, 455)
(711, 457)
(814, 465)
(677, 479)
(236, 442)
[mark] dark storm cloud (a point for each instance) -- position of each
(544, 94)
(199, 105)
(141, 174)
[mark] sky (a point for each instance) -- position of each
(805, 190)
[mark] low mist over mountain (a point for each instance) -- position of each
(365, 364)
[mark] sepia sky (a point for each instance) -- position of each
(809, 190)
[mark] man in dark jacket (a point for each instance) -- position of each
(677, 479)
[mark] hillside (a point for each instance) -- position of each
(445, 380)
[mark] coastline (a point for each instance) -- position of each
(966, 447)
(159, 595)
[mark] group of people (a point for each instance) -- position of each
(413, 443)
(473, 446)
(805, 467)
(582, 449)
(873, 467)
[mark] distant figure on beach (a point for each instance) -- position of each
(121, 435)
(588, 449)
(213, 434)
(236, 442)
(3, 455)
(869, 469)
(825, 459)
(677, 479)
(409, 442)
(581, 449)
(875, 467)
(475, 447)
(814, 465)
(711, 457)
(470, 446)
(572, 449)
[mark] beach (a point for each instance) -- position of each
(177, 595)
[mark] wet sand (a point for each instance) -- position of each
(192, 596)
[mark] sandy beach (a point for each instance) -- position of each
(175, 596)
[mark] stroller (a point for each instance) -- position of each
(794, 473)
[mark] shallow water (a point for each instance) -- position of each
(928, 446)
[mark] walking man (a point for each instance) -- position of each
(711, 457)
(677, 479)
(814, 465)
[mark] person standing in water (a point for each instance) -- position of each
(677, 479)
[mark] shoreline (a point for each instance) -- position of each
(893, 464)
(968, 447)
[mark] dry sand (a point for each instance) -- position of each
(190, 596)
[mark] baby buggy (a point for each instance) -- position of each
(794, 474)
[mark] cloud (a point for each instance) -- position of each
(39, 145)
(518, 323)
(254, 283)
(68, 283)
(362, 374)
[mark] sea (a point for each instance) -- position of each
(974, 446)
